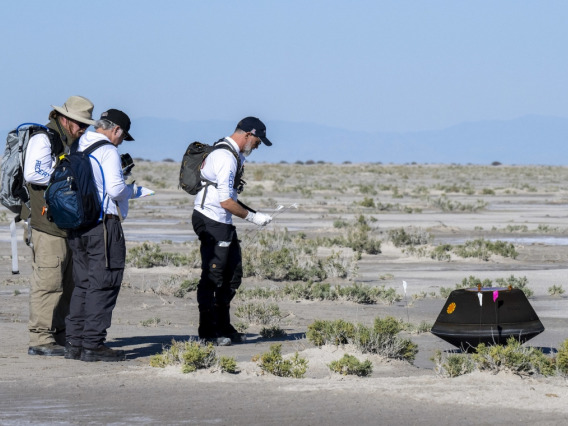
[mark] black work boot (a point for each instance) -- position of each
(224, 325)
(50, 349)
(216, 341)
(208, 329)
(72, 351)
(102, 353)
(207, 325)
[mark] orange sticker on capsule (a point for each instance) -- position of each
(451, 308)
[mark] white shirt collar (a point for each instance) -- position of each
(233, 143)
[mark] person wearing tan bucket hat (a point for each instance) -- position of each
(52, 281)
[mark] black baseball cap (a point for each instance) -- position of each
(256, 127)
(120, 119)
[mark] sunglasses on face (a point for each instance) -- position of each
(257, 139)
(81, 126)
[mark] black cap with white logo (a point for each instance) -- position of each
(256, 127)
(120, 119)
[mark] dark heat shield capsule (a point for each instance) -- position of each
(466, 322)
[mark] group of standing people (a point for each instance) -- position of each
(77, 274)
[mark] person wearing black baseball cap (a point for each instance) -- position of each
(255, 127)
(119, 118)
(99, 252)
(212, 221)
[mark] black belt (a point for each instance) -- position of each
(111, 216)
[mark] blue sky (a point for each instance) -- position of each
(359, 65)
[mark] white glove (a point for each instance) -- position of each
(134, 189)
(259, 219)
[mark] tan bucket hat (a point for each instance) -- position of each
(77, 108)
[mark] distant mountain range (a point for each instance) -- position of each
(530, 139)
(526, 140)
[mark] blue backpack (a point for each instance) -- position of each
(72, 197)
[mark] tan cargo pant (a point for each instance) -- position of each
(52, 285)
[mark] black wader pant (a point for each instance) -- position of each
(221, 275)
(96, 284)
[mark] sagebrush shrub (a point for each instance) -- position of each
(350, 365)
(513, 357)
(228, 364)
(562, 358)
(381, 339)
(453, 365)
(400, 237)
(556, 290)
(272, 362)
(148, 255)
(272, 332)
(259, 313)
(191, 355)
(516, 282)
(337, 332)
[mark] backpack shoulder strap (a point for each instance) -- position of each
(54, 138)
(88, 152)
(95, 146)
(55, 141)
(220, 144)
(224, 144)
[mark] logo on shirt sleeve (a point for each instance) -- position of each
(39, 170)
(231, 179)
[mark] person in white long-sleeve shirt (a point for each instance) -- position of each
(117, 192)
(99, 252)
(212, 220)
(52, 280)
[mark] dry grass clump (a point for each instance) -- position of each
(280, 256)
(400, 237)
(355, 236)
(555, 290)
(453, 365)
(471, 282)
(512, 357)
(273, 362)
(149, 255)
(175, 285)
(447, 205)
(478, 249)
(417, 243)
(358, 293)
(350, 365)
(381, 339)
(151, 322)
(259, 313)
(516, 282)
(483, 249)
(268, 316)
(192, 356)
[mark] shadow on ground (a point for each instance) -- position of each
(145, 346)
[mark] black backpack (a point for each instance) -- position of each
(72, 197)
(190, 179)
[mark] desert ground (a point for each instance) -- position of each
(445, 204)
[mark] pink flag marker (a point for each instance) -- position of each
(495, 295)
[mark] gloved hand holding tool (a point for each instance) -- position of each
(259, 219)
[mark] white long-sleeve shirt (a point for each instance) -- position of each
(220, 167)
(116, 190)
(39, 161)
